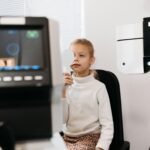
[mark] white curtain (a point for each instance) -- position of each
(12, 7)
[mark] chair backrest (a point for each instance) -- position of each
(112, 85)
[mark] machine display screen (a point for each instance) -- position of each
(21, 49)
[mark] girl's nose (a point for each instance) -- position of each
(75, 58)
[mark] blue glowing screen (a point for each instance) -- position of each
(21, 49)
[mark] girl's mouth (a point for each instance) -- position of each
(75, 65)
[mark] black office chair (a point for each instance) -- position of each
(112, 85)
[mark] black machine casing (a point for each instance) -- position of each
(146, 43)
(25, 102)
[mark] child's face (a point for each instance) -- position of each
(82, 59)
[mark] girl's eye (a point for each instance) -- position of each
(81, 55)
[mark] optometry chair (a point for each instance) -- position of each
(112, 84)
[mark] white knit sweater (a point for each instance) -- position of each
(87, 110)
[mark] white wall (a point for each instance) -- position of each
(101, 18)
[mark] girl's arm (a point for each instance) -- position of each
(67, 81)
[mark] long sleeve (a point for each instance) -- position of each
(105, 119)
(65, 110)
(65, 104)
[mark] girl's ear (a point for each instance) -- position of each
(92, 60)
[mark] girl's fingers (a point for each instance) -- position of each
(68, 79)
(66, 74)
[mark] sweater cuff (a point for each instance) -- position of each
(102, 145)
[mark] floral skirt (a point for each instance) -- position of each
(85, 142)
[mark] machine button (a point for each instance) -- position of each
(18, 78)
(7, 79)
(39, 77)
(28, 78)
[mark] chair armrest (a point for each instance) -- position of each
(125, 146)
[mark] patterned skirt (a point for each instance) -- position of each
(85, 142)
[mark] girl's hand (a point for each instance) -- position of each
(67, 79)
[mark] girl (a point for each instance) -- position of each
(88, 124)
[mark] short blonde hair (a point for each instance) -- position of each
(86, 43)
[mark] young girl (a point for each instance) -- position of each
(88, 124)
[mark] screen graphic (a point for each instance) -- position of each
(21, 49)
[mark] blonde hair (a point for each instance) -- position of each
(86, 43)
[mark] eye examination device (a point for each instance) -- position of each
(133, 47)
(30, 77)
